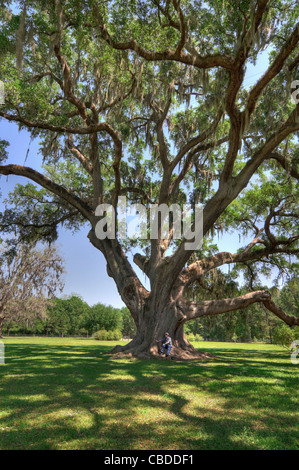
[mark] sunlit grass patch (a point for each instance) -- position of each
(69, 394)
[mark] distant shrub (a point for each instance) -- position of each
(199, 338)
(194, 337)
(190, 337)
(100, 335)
(234, 338)
(284, 336)
(104, 335)
(114, 335)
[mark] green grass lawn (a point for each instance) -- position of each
(66, 394)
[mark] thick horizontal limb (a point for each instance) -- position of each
(194, 59)
(50, 185)
(205, 308)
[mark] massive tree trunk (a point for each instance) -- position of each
(154, 312)
(158, 316)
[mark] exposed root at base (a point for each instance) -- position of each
(181, 355)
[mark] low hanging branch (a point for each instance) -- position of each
(192, 310)
(53, 187)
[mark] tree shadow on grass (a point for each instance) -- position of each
(80, 397)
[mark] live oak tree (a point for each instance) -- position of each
(147, 100)
(29, 278)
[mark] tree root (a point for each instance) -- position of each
(178, 354)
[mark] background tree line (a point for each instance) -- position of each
(72, 316)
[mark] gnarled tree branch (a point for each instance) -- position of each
(194, 310)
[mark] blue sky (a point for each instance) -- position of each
(85, 266)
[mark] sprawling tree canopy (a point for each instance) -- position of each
(147, 100)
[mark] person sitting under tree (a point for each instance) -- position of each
(166, 344)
